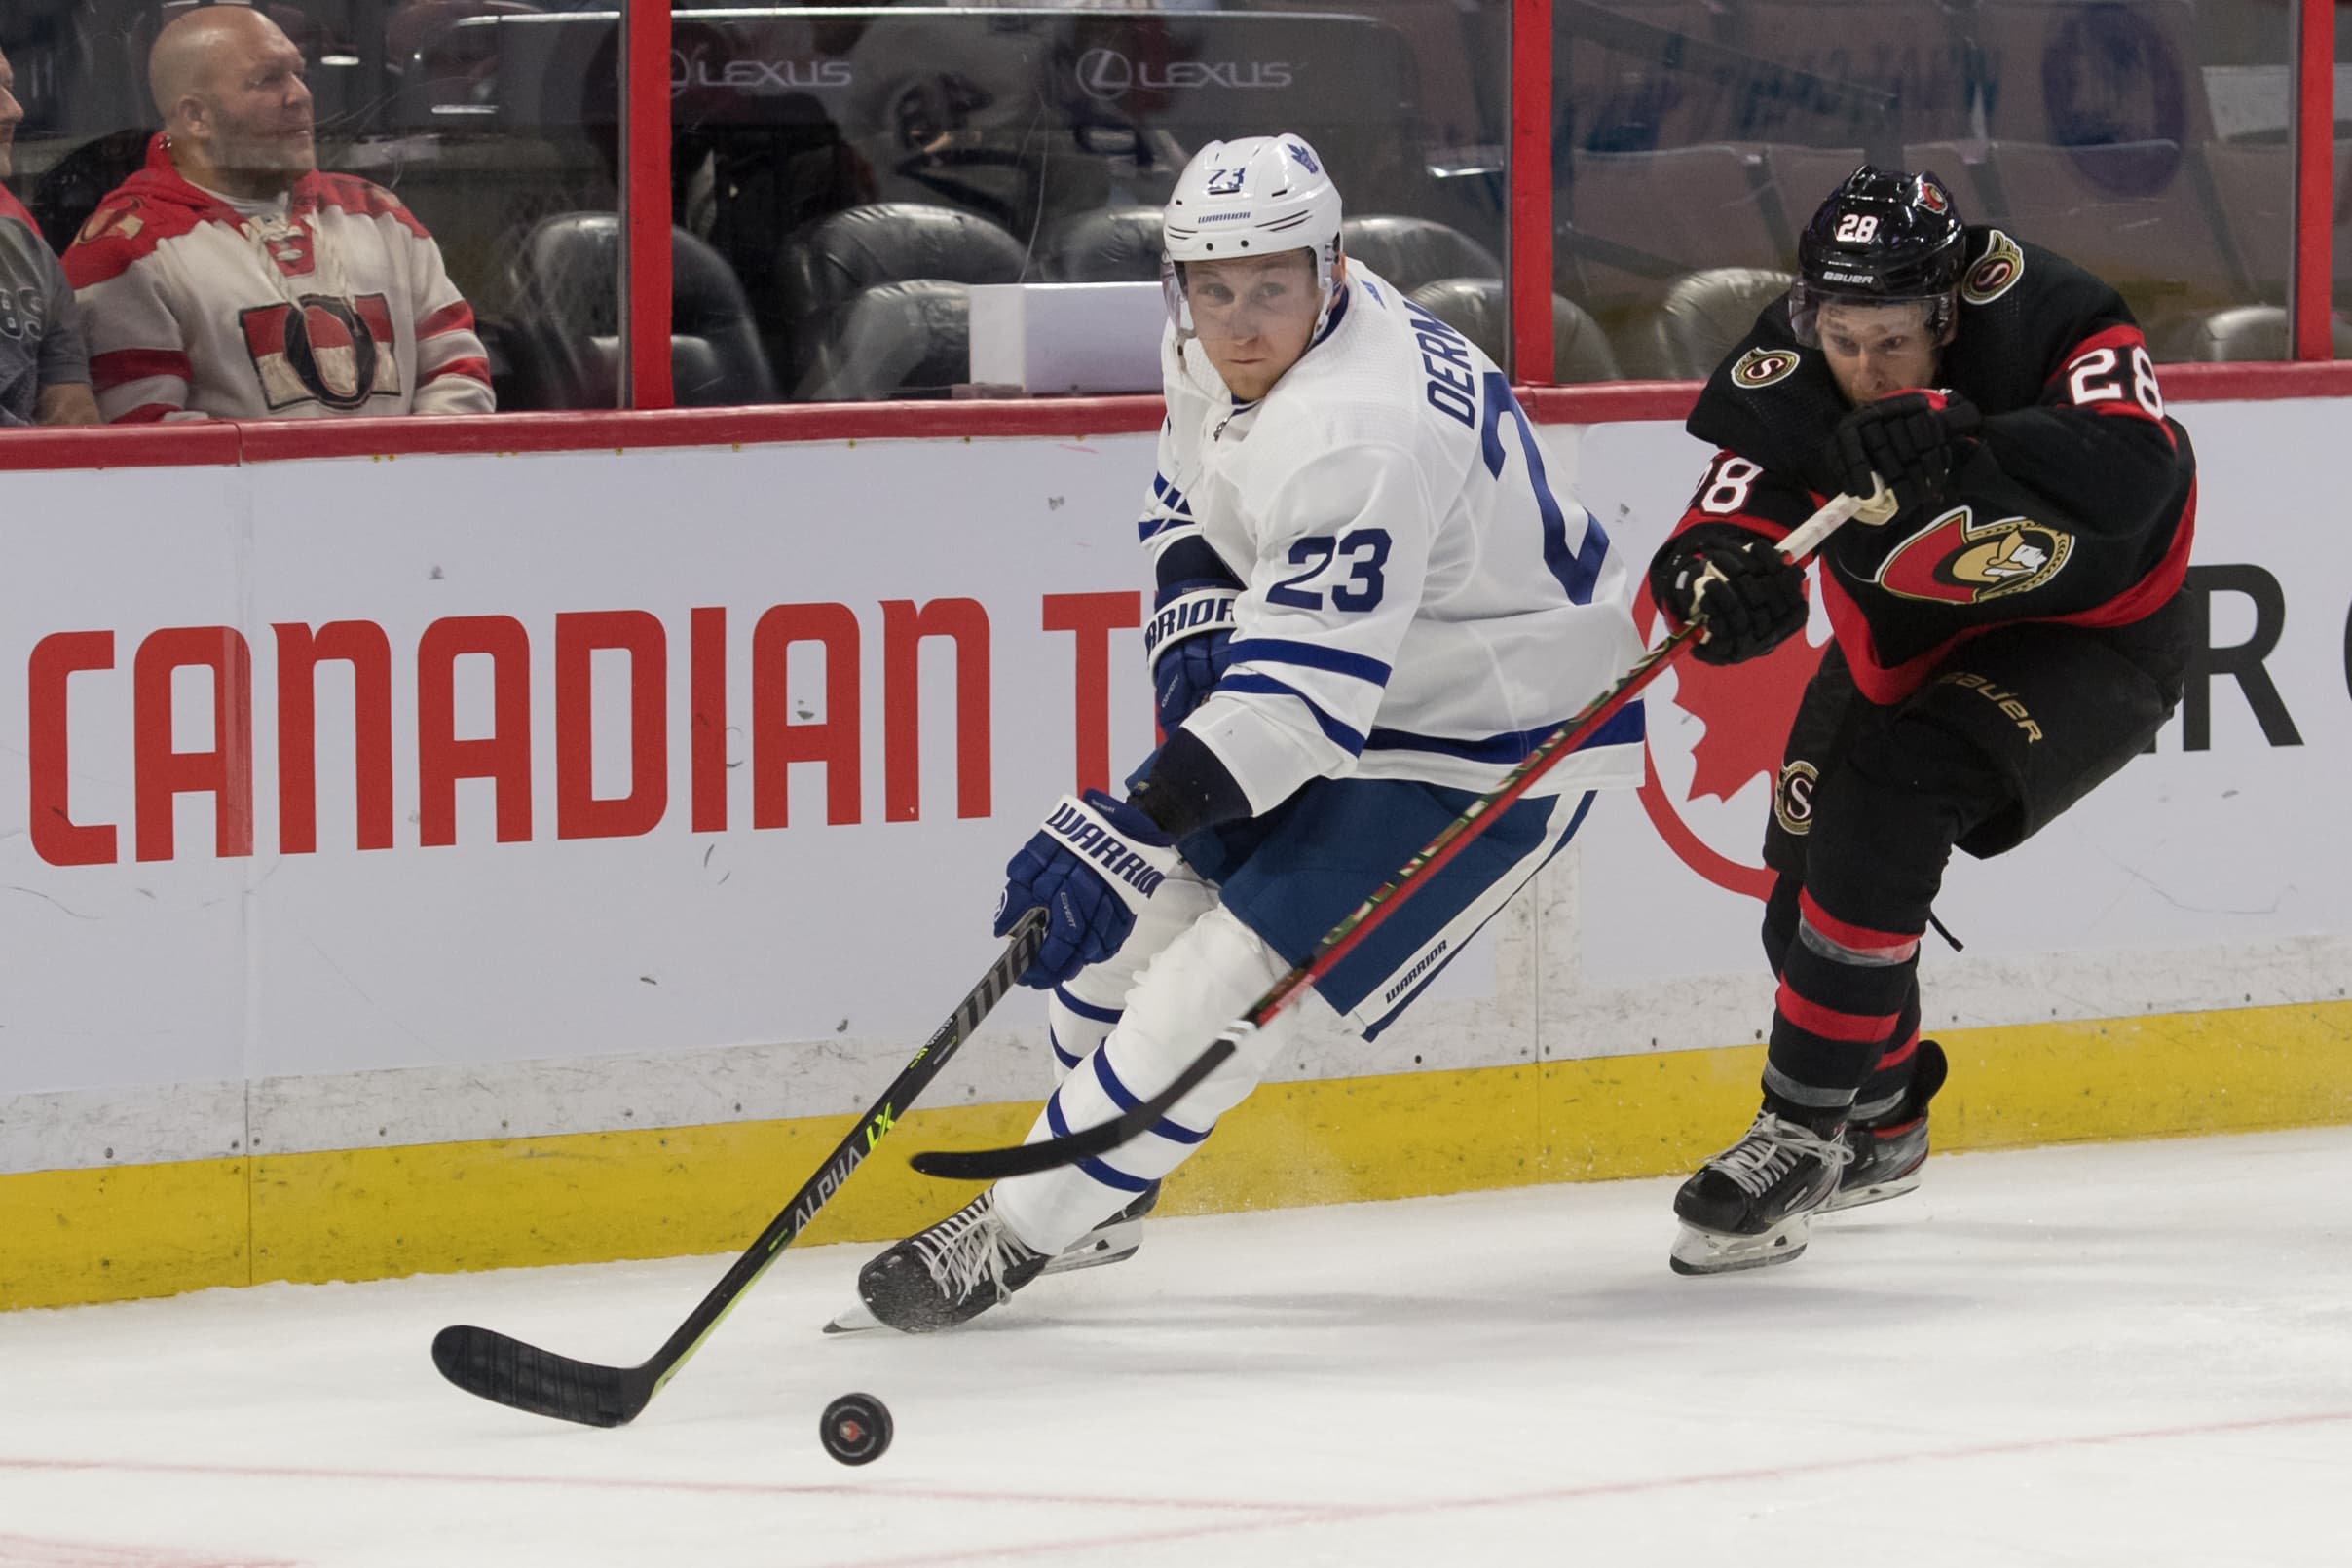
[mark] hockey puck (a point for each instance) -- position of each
(856, 1428)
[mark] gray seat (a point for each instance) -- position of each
(564, 332)
(1705, 315)
(1120, 244)
(896, 340)
(1475, 308)
(2240, 333)
(825, 268)
(1411, 251)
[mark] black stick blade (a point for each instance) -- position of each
(994, 1164)
(524, 1377)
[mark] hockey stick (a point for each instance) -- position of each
(994, 1164)
(507, 1371)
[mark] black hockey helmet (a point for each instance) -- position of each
(1884, 236)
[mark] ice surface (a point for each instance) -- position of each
(2134, 1355)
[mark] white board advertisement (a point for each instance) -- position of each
(407, 799)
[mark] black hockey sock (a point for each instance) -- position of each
(1844, 992)
(1883, 1092)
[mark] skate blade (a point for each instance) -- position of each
(1876, 1192)
(858, 1319)
(1114, 1244)
(1708, 1252)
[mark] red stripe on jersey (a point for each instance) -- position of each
(1854, 1029)
(456, 317)
(146, 414)
(118, 368)
(2132, 410)
(1899, 1055)
(1895, 946)
(2123, 336)
(471, 369)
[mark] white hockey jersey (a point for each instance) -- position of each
(335, 304)
(1420, 602)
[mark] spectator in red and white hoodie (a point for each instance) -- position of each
(231, 280)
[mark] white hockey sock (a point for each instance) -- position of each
(1074, 1024)
(1192, 991)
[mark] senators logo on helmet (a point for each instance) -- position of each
(1957, 560)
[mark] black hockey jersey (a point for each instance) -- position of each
(2073, 503)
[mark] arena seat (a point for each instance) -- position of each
(824, 267)
(1705, 315)
(2136, 213)
(565, 337)
(1917, 50)
(1618, 90)
(2256, 188)
(2240, 332)
(894, 340)
(1651, 217)
(2072, 74)
(1475, 307)
(1412, 251)
(1119, 245)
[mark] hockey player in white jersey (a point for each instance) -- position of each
(1372, 603)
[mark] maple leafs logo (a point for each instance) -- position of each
(1745, 712)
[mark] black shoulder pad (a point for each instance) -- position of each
(2023, 310)
(1770, 401)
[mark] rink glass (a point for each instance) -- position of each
(2146, 139)
(1687, 140)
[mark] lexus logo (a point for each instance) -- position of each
(1105, 75)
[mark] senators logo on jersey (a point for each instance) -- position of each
(1995, 272)
(1760, 368)
(336, 351)
(1957, 560)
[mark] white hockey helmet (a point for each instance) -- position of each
(1255, 196)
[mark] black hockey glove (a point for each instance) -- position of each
(1754, 599)
(1906, 440)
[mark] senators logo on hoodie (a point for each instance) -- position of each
(335, 351)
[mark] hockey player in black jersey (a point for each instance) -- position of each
(2011, 637)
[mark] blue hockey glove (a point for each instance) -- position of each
(1187, 644)
(1091, 868)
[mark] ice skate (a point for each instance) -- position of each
(1889, 1148)
(951, 1273)
(1753, 1203)
(1114, 1240)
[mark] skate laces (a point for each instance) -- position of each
(970, 1246)
(1771, 1149)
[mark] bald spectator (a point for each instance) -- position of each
(231, 280)
(44, 370)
